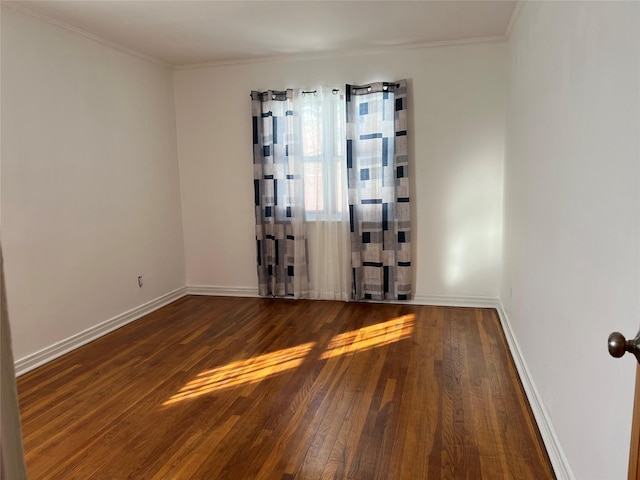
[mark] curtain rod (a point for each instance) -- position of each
(385, 85)
(335, 91)
(275, 92)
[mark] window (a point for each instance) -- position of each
(317, 235)
(323, 132)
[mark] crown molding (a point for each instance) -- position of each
(513, 19)
(20, 8)
(340, 53)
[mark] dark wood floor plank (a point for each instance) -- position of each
(234, 388)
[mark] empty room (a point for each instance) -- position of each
(309, 239)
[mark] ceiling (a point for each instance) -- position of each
(187, 32)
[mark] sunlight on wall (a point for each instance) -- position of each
(255, 369)
(474, 226)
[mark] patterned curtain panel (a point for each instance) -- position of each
(279, 196)
(378, 180)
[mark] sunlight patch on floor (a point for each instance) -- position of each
(373, 336)
(256, 369)
(242, 372)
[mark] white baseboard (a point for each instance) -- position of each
(418, 299)
(34, 360)
(556, 454)
(216, 291)
(474, 301)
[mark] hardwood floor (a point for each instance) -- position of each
(244, 388)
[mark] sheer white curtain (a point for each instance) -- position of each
(322, 114)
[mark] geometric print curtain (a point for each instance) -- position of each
(281, 240)
(378, 182)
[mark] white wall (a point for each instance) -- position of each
(458, 126)
(572, 223)
(90, 186)
(90, 193)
